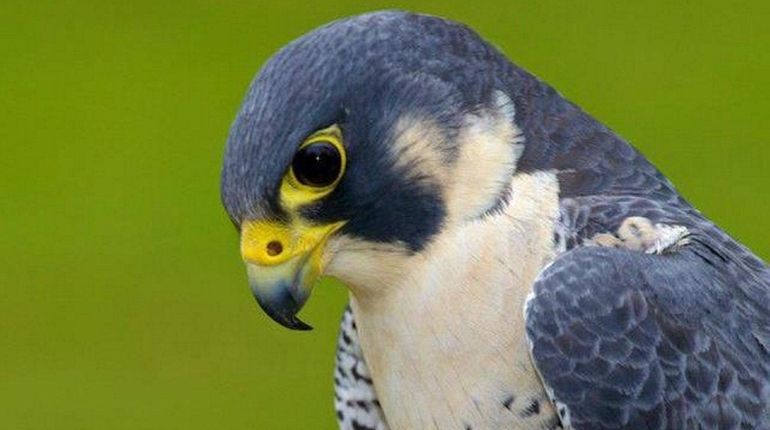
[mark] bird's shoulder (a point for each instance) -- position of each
(673, 337)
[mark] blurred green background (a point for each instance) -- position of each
(123, 303)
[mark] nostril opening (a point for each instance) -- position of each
(274, 248)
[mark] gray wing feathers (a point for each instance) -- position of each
(354, 398)
(625, 340)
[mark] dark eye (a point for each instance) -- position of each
(317, 165)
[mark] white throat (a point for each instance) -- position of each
(444, 339)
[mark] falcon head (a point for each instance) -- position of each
(361, 143)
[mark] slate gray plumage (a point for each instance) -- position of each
(672, 341)
(623, 339)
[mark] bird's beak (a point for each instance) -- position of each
(283, 262)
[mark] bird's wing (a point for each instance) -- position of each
(354, 397)
(627, 340)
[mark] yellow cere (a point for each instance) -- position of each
(258, 239)
(295, 194)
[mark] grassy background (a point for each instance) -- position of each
(123, 304)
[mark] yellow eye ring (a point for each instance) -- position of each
(316, 169)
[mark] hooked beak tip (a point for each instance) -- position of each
(282, 306)
(287, 320)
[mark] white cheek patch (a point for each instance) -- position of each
(490, 145)
(417, 150)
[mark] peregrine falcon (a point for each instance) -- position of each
(512, 263)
